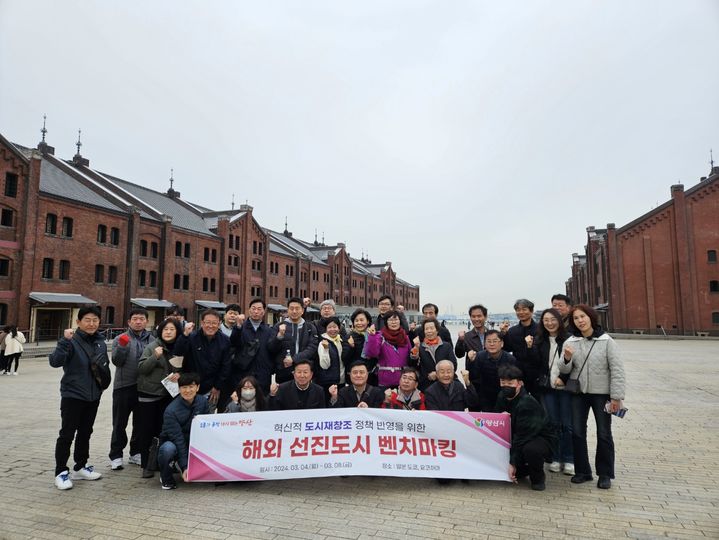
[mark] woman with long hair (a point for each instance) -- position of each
(247, 397)
(153, 397)
(591, 357)
(14, 340)
(547, 345)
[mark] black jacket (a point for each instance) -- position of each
(351, 355)
(484, 378)
(540, 356)
(252, 357)
(529, 421)
(471, 342)
(77, 380)
(428, 362)
(176, 424)
(209, 358)
(347, 397)
(288, 397)
(515, 343)
(454, 397)
(301, 340)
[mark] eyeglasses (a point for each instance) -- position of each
(409, 378)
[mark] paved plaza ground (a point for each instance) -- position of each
(666, 485)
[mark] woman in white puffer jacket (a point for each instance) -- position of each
(591, 356)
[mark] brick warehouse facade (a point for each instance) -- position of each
(659, 273)
(71, 236)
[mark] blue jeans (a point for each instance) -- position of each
(166, 454)
(604, 459)
(558, 404)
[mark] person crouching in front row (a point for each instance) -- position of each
(175, 435)
(533, 437)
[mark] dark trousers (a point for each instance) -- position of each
(149, 424)
(558, 405)
(166, 454)
(77, 419)
(9, 360)
(604, 460)
(124, 402)
(531, 459)
(3, 360)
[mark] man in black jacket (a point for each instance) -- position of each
(299, 393)
(519, 339)
(429, 313)
(533, 436)
(385, 305)
(484, 368)
(250, 341)
(79, 395)
(447, 393)
(292, 340)
(206, 352)
(472, 342)
(176, 423)
(358, 393)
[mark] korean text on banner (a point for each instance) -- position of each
(277, 445)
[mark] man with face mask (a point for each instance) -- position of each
(533, 437)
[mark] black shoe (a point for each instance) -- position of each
(581, 478)
(169, 485)
(148, 474)
(604, 482)
(539, 487)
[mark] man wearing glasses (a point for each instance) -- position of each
(407, 396)
(207, 352)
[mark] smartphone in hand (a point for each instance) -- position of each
(620, 413)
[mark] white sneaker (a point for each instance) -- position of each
(86, 473)
(569, 469)
(116, 464)
(14, 372)
(62, 481)
(135, 459)
(555, 466)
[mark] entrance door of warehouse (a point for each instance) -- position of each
(50, 323)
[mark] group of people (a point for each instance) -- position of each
(11, 349)
(236, 362)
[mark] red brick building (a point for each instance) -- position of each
(659, 273)
(71, 235)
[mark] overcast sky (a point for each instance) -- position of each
(470, 143)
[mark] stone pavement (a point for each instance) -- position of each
(666, 482)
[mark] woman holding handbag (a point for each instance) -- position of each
(592, 360)
(550, 338)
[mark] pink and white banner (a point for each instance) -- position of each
(277, 445)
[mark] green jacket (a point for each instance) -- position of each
(151, 369)
(529, 421)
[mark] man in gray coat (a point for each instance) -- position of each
(127, 349)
